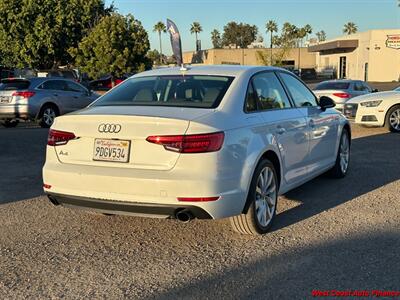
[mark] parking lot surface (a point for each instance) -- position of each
(329, 234)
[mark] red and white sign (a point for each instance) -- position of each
(393, 41)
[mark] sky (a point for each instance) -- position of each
(327, 15)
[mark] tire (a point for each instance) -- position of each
(392, 121)
(342, 163)
(10, 123)
(47, 115)
(255, 222)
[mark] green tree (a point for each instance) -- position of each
(287, 40)
(155, 57)
(239, 34)
(321, 36)
(216, 39)
(350, 28)
(160, 28)
(38, 33)
(117, 45)
(196, 29)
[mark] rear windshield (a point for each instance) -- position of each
(12, 85)
(333, 86)
(180, 90)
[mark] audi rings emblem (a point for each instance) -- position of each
(109, 128)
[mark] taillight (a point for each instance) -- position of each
(195, 143)
(341, 95)
(24, 94)
(58, 138)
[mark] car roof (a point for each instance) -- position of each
(222, 70)
(341, 80)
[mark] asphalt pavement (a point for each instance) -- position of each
(329, 235)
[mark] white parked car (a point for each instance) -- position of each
(378, 109)
(204, 142)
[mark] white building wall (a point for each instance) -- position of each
(383, 62)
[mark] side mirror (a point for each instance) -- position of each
(375, 90)
(326, 102)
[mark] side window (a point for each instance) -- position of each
(269, 91)
(73, 87)
(301, 95)
(358, 86)
(251, 100)
(367, 87)
(58, 85)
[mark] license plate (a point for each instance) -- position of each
(111, 150)
(5, 99)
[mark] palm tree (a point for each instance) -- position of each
(216, 38)
(300, 33)
(321, 36)
(160, 27)
(271, 27)
(196, 29)
(350, 28)
(308, 30)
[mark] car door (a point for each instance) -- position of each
(79, 95)
(322, 125)
(283, 121)
(56, 88)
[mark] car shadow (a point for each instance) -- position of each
(22, 155)
(327, 266)
(373, 164)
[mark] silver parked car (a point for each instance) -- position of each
(40, 99)
(342, 90)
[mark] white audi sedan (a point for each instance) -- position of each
(203, 142)
(378, 109)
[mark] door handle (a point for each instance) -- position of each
(55, 94)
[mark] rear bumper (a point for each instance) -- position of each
(125, 208)
(13, 111)
(145, 188)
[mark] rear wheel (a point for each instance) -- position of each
(47, 115)
(263, 198)
(341, 166)
(393, 119)
(10, 123)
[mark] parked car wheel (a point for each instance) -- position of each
(47, 115)
(393, 119)
(343, 157)
(263, 199)
(10, 123)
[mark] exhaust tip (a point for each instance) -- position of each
(53, 200)
(184, 216)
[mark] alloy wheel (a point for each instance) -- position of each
(265, 201)
(394, 119)
(344, 153)
(48, 116)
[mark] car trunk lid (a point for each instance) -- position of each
(127, 126)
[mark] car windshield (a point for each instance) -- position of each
(333, 86)
(397, 89)
(12, 85)
(179, 90)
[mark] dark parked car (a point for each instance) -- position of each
(105, 83)
(40, 99)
